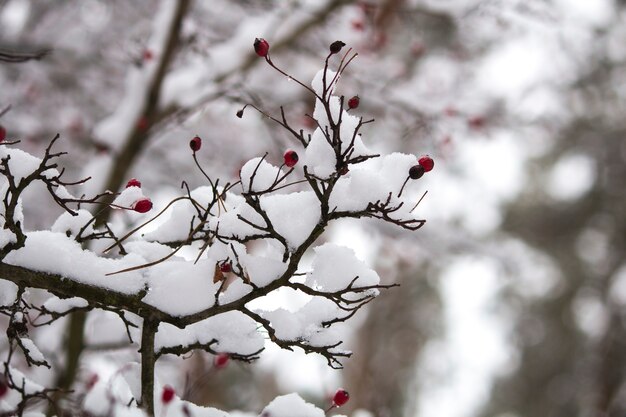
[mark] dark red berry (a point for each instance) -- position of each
(3, 133)
(341, 397)
(167, 395)
(143, 124)
(221, 360)
(142, 206)
(225, 267)
(476, 122)
(416, 171)
(336, 46)
(353, 103)
(427, 162)
(261, 47)
(133, 182)
(240, 113)
(147, 55)
(195, 144)
(291, 158)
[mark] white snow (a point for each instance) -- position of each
(8, 292)
(61, 305)
(293, 215)
(127, 197)
(177, 223)
(262, 270)
(234, 332)
(56, 254)
(307, 322)
(319, 156)
(72, 225)
(334, 267)
(258, 175)
(180, 288)
(32, 350)
(21, 164)
(292, 405)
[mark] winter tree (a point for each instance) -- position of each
(190, 272)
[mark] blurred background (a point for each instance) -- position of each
(512, 296)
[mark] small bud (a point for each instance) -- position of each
(142, 206)
(3, 133)
(353, 103)
(221, 360)
(133, 182)
(167, 395)
(341, 397)
(426, 162)
(336, 46)
(195, 144)
(261, 47)
(291, 158)
(240, 113)
(416, 171)
(225, 267)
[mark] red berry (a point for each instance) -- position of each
(336, 46)
(147, 55)
(133, 182)
(341, 397)
(353, 103)
(142, 206)
(226, 267)
(3, 133)
(143, 124)
(426, 162)
(195, 144)
(418, 49)
(167, 395)
(92, 381)
(416, 171)
(261, 47)
(450, 111)
(291, 158)
(358, 25)
(476, 122)
(221, 360)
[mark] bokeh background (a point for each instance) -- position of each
(512, 296)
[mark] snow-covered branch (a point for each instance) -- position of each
(249, 237)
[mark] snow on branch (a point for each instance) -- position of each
(249, 235)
